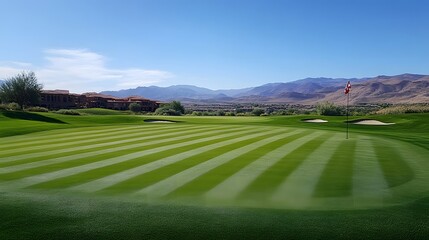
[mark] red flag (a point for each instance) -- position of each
(347, 88)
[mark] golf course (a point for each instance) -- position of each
(108, 175)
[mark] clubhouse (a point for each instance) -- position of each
(63, 99)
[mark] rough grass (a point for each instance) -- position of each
(401, 109)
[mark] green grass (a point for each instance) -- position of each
(105, 175)
(101, 111)
(395, 168)
(336, 179)
(267, 182)
(211, 179)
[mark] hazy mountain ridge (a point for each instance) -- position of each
(175, 92)
(405, 88)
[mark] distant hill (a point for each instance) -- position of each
(405, 88)
(304, 86)
(175, 92)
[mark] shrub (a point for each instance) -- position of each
(175, 108)
(37, 109)
(167, 112)
(135, 107)
(401, 109)
(10, 106)
(13, 106)
(67, 112)
(220, 113)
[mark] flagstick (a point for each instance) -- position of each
(347, 113)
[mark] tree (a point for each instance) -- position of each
(177, 106)
(258, 111)
(174, 108)
(22, 89)
(329, 109)
(166, 111)
(135, 107)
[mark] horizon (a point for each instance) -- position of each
(227, 89)
(345, 79)
(85, 46)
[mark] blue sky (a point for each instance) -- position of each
(89, 45)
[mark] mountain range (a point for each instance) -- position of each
(404, 88)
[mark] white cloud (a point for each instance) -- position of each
(10, 69)
(80, 70)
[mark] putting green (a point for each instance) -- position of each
(214, 164)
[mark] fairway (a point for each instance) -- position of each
(225, 164)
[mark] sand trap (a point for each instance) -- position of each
(315, 120)
(372, 122)
(158, 121)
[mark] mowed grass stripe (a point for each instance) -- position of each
(176, 164)
(33, 168)
(109, 170)
(337, 177)
(96, 150)
(82, 161)
(125, 180)
(85, 139)
(395, 169)
(216, 176)
(284, 161)
(368, 178)
(240, 181)
(78, 133)
(85, 147)
(33, 180)
(47, 135)
(21, 171)
(63, 142)
(170, 184)
(298, 188)
(417, 159)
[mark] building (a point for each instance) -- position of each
(63, 99)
